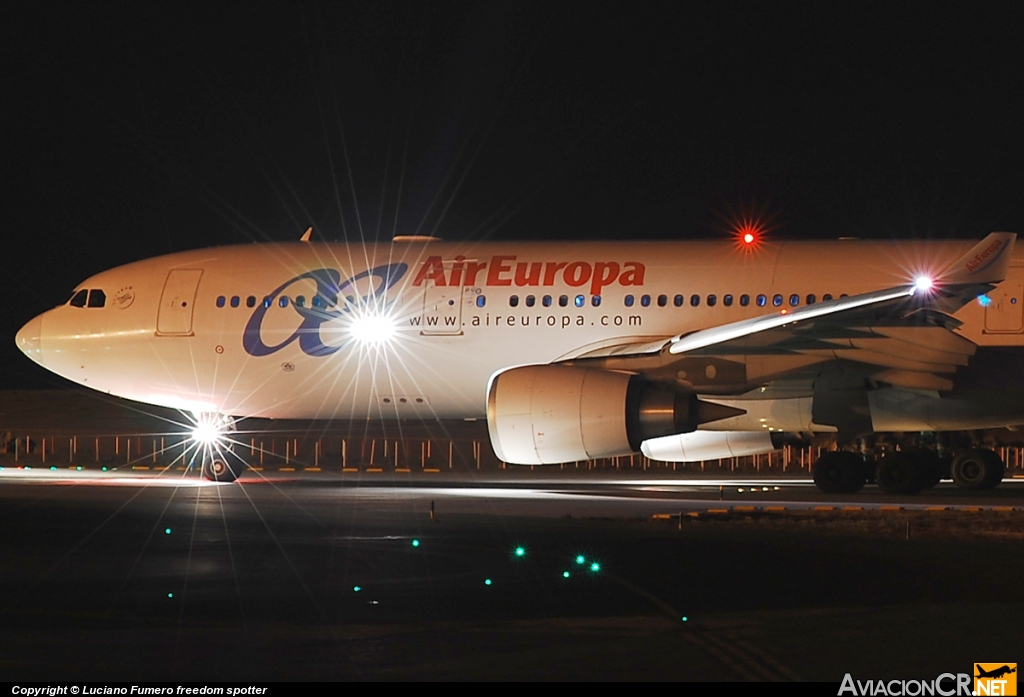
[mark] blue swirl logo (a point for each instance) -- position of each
(336, 298)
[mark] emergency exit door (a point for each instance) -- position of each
(442, 308)
(1004, 313)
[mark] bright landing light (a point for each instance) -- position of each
(209, 428)
(923, 284)
(372, 328)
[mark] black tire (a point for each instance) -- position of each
(930, 466)
(979, 468)
(839, 473)
(900, 473)
(217, 469)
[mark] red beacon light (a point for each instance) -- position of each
(748, 238)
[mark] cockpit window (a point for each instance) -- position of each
(78, 299)
(97, 298)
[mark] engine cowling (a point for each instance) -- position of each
(546, 414)
(711, 445)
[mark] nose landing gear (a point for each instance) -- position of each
(217, 468)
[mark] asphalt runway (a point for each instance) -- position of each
(113, 576)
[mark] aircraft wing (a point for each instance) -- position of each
(905, 335)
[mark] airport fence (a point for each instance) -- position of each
(284, 452)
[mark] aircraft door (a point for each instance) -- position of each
(174, 318)
(442, 308)
(1005, 313)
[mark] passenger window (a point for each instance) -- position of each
(563, 300)
(762, 300)
(727, 300)
(283, 302)
(221, 300)
(794, 300)
(695, 300)
(645, 300)
(530, 301)
(580, 301)
(662, 300)
(250, 301)
(266, 301)
(744, 300)
(596, 301)
(546, 301)
(777, 300)
(712, 300)
(811, 298)
(513, 301)
(679, 300)
(235, 300)
(78, 300)
(843, 295)
(481, 300)
(300, 300)
(97, 298)
(317, 301)
(629, 301)
(826, 297)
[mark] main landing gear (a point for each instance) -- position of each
(907, 471)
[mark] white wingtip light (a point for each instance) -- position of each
(923, 284)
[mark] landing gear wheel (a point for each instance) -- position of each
(930, 466)
(840, 472)
(979, 468)
(217, 469)
(901, 473)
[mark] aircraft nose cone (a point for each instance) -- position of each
(29, 339)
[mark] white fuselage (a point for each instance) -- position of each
(416, 329)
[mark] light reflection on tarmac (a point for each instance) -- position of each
(546, 496)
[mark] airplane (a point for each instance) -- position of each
(995, 673)
(895, 350)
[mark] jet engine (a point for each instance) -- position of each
(546, 414)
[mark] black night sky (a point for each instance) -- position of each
(134, 129)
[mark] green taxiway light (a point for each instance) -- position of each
(685, 618)
(487, 582)
(595, 566)
(104, 469)
(565, 574)
(580, 559)
(415, 543)
(167, 531)
(520, 551)
(170, 595)
(356, 589)
(53, 469)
